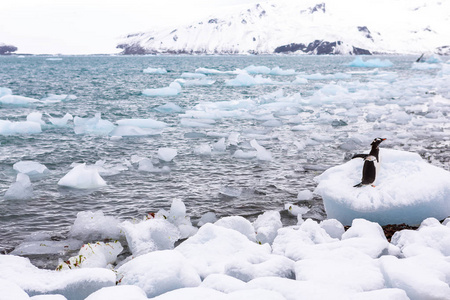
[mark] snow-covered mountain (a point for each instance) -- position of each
(309, 26)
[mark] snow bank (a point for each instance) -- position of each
(82, 177)
(73, 284)
(408, 190)
(159, 272)
(370, 63)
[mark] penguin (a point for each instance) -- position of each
(371, 163)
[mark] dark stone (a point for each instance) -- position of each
(443, 50)
(365, 31)
(132, 49)
(212, 21)
(318, 8)
(7, 49)
(320, 48)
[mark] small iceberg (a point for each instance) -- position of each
(408, 190)
(172, 90)
(82, 177)
(21, 189)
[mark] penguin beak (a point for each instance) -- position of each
(383, 139)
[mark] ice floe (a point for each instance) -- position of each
(82, 177)
(172, 90)
(408, 190)
(370, 63)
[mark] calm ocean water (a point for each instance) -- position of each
(217, 183)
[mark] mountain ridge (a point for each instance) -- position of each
(309, 27)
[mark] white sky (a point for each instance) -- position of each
(93, 26)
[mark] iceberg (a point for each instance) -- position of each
(169, 108)
(94, 125)
(60, 122)
(167, 154)
(370, 63)
(21, 189)
(15, 100)
(31, 168)
(82, 177)
(22, 127)
(408, 190)
(5, 91)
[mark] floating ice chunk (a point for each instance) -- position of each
(142, 123)
(192, 75)
(110, 169)
(118, 292)
(244, 155)
(266, 226)
(172, 90)
(433, 59)
(93, 255)
(82, 177)
(155, 71)
(128, 130)
(257, 70)
(159, 272)
(24, 127)
(208, 217)
(57, 98)
(150, 235)
(305, 195)
(17, 100)
(220, 145)
(60, 122)
(94, 125)
(300, 80)
(208, 71)
(74, 284)
(233, 138)
(177, 216)
(35, 117)
(5, 91)
(370, 63)
(21, 189)
(167, 154)
(202, 123)
(169, 108)
(424, 66)
(146, 165)
(31, 168)
(409, 190)
(320, 76)
(195, 82)
(248, 80)
(296, 210)
(261, 152)
(272, 123)
(95, 226)
(203, 149)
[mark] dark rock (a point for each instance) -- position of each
(443, 50)
(320, 47)
(318, 8)
(7, 49)
(366, 32)
(132, 49)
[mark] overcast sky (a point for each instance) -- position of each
(93, 26)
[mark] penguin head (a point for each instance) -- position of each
(377, 141)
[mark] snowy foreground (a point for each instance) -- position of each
(232, 258)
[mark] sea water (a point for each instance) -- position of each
(333, 110)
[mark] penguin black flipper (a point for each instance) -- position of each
(363, 156)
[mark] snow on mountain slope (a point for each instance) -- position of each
(308, 26)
